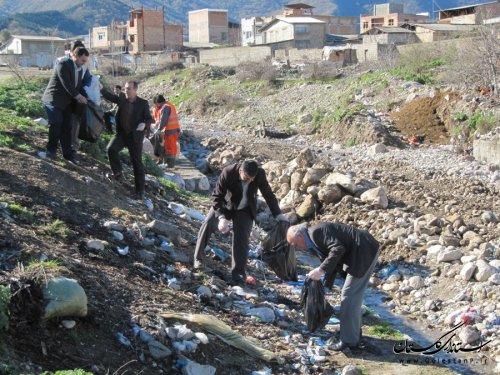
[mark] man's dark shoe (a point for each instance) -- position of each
(341, 346)
(50, 154)
(72, 161)
(139, 196)
(114, 177)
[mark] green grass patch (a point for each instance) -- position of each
(24, 98)
(150, 166)
(67, 372)
(483, 121)
(56, 229)
(351, 142)
(409, 74)
(48, 264)
(21, 212)
(459, 116)
(4, 307)
(384, 330)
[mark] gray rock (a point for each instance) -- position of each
(146, 256)
(193, 368)
(166, 229)
(95, 245)
(330, 194)
(351, 370)
(114, 225)
(467, 271)
(484, 270)
(313, 176)
(449, 240)
(296, 180)
(117, 235)
(489, 217)
(290, 199)
(378, 148)
(449, 255)
(308, 208)
(469, 334)
(64, 297)
(342, 180)
(204, 291)
(145, 336)
(305, 118)
(495, 279)
(377, 197)
(158, 350)
(305, 158)
(416, 282)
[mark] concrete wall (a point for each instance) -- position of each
(391, 38)
(208, 26)
(487, 150)
(233, 56)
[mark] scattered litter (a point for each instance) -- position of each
(123, 340)
(123, 251)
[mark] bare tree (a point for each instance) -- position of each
(11, 61)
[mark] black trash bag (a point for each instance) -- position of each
(317, 310)
(278, 254)
(91, 123)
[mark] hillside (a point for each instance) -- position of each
(434, 211)
(89, 13)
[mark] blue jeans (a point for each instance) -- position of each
(60, 125)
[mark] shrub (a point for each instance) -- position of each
(150, 167)
(24, 98)
(174, 65)
(321, 71)
(351, 142)
(256, 71)
(119, 70)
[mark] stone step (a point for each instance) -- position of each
(194, 179)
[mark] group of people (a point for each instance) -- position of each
(64, 97)
(341, 248)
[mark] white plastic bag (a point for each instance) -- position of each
(148, 149)
(93, 91)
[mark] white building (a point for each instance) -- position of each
(36, 51)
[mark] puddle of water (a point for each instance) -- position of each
(425, 337)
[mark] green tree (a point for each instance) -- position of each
(4, 35)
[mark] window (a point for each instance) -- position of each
(302, 29)
(365, 25)
(302, 44)
(101, 36)
(132, 38)
(391, 22)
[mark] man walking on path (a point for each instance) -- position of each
(235, 198)
(341, 248)
(64, 91)
(133, 119)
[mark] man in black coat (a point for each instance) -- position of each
(64, 90)
(346, 249)
(235, 198)
(133, 119)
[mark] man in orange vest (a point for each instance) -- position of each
(167, 130)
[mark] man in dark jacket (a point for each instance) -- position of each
(133, 119)
(235, 198)
(346, 249)
(64, 90)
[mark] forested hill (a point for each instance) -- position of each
(64, 17)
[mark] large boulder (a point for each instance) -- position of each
(330, 194)
(296, 180)
(484, 270)
(308, 208)
(344, 181)
(289, 200)
(377, 197)
(313, 176)
(305, 158)
(64, 297)
(166, 229)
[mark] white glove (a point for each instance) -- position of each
(316, 274)
(140, 127)
(282, 217)
(223, 224)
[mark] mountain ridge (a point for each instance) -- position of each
(77, 17)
